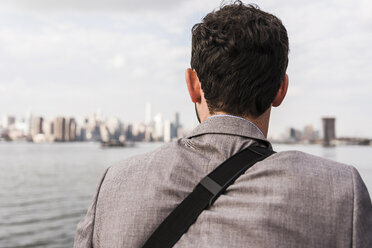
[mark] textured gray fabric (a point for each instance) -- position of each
(291, 199)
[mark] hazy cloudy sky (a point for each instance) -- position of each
(71, 57)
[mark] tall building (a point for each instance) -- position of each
(294, 135)
(158, 131)
(176, 127)
(177, 120)
(148, 134)
(329, 132)
(70, 129)
(92, 128)
(48, 130)
(37, 125)
(104, 131)
(138, 131)
(59, 129)
(81, 133)
(29, 122)
(309, 134)
(167, 131)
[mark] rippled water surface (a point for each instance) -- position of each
(45, 189)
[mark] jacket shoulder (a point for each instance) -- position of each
(150, 161)
(142, 189)
(307, 162)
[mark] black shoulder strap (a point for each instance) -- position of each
(203, 196)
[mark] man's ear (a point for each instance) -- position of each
(193, 85)
(281, 92)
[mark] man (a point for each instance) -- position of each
(291, 199)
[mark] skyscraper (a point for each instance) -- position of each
(329, 132)
(158, 131)
(48, 130)
(59, 129)
(167, 131)
(70, 129)
(177, 120)
(37, 125)
(176, 127)
(309, 134)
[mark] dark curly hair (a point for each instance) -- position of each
(240, 54)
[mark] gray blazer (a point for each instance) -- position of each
(291, 199)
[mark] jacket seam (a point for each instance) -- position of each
(96, 202)
(352, 216)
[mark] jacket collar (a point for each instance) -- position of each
(230, 125)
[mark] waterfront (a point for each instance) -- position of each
(45, 189)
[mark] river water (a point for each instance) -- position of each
(45, 189)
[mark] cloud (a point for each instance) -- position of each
(70, 68)
(75, 56)
(94, 5)
(117, 62)
(366, 10)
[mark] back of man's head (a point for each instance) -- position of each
(240, 55)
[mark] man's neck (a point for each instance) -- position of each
(262, 122)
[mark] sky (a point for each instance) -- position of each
(73, 57)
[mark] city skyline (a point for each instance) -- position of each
(72, 58)
(97, 126)
(110, 131)
(148, 115)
